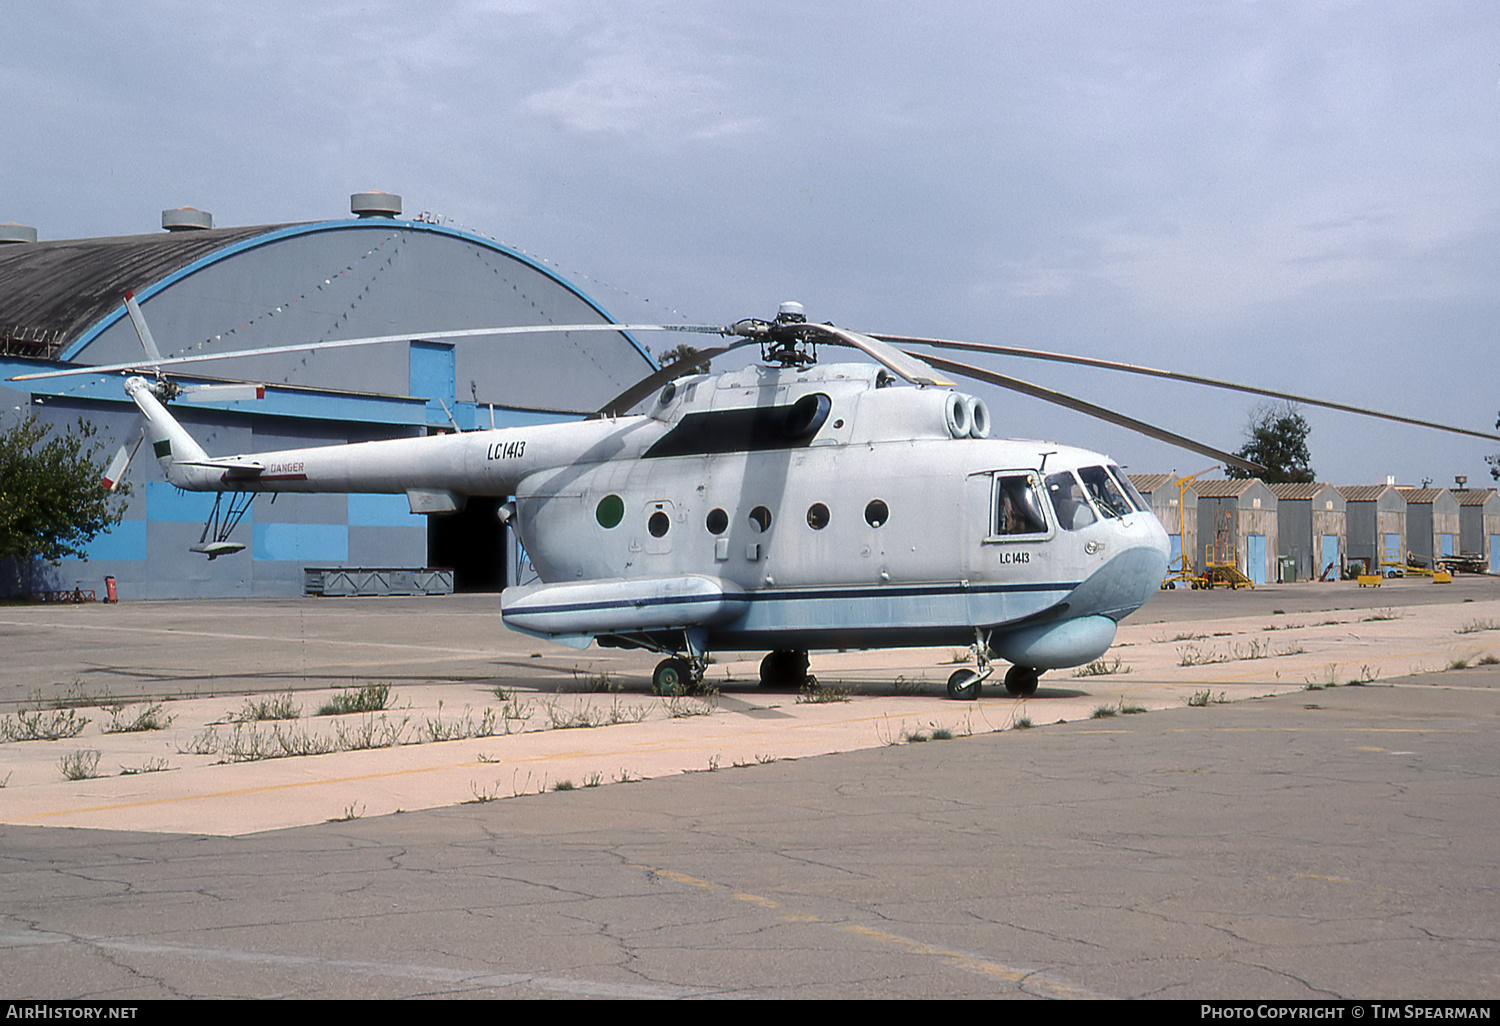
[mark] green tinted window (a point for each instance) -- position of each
(611, 511)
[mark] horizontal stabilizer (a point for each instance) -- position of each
(213, 550)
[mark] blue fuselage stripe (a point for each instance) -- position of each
(806, 595)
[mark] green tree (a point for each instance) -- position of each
(1494, 458)
(1277, 440)
(51, 500)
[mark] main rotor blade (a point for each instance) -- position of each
(1079, 405)
(907, 366)
(651, 382)
(1131, 368)
(373, 340)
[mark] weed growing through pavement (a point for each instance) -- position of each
(249, 743)
(82, 765)
(205, 742)
(369, 733)
(1488, 660)
(74, 697)
(277, 707)
(596, 683)
(819, 694)
(1102, 712)
(36, 725)
(1102, 668)
(149, 766)
(1192, 655)
(902, 686)
(1201, 698)
(1381, 614)
(433, 729)
(1476, 626)
(149, 718)
(370, 698)
(680, 706)
(351, 812)
(563, 785)
(481, 796)
(1458, 664)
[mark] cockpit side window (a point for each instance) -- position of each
(1069, 501)
(1105, 493)
(1018, 507)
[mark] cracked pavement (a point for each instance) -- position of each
(1338, 842)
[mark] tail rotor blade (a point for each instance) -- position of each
(141, 328)
(115, 472)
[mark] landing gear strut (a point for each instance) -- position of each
(682, 674)
(673, 677)
(964, 685)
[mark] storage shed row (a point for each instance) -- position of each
(1300, 531)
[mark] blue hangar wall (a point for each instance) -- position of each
(228, 290)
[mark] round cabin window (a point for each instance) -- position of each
(877, 512)
(659, 524)
(717, 522)
(817, 516)
(760, 519)
(610, 511)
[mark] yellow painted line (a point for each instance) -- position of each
(1033, 982)
(1325, 879)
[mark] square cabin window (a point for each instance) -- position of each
(1017, 508)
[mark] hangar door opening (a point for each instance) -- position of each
(472, 542)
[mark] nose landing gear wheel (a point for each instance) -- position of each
(964, 685)
(1021, 680)
(673, 677)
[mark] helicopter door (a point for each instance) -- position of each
(661, 524)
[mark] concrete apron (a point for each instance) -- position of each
(623, 736)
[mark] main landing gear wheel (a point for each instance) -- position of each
(673, 677)
(785, 670)
(964, 685)
(1020, 680)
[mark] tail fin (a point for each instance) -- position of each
(169, 440)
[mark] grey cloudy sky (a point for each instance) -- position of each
(1303, 195)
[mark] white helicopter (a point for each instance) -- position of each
(787, 506)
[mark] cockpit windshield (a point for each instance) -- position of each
(1136, 498)
(1105, 492)
(1069, 501)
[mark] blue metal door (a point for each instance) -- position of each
(1255, 550)
(1495, 553)
(1330, 555)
